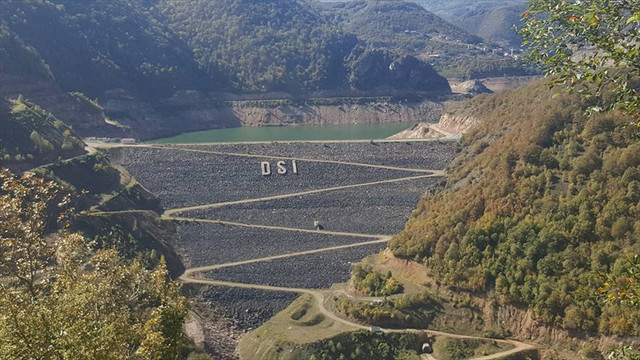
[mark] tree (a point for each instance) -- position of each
(62, 300)
(593, 40)
(624, 288)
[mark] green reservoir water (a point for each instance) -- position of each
(290, 133)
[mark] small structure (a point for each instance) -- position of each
(317, 225)
(376, 302)
(128, 141)
(375, 329)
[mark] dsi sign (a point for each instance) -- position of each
(280, 168)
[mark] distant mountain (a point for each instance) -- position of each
(395, 23)
(456, 52)
(281, 45)
(493, 20)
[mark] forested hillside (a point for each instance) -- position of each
(95, 46)
(469, 46)
(147, 63)
(286, 45)
(155, 48)
(540, 202)
(494, 24)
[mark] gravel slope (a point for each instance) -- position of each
(182, 178)
(350, 210)
(418, 154)
(306, 271)
(208, 243)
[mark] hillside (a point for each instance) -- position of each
(540, 200)
(468, 46)
(98, 46)
(288, 46)
(133, 68)
(490, 19)
(399, 24)
(31, 136)
(494, 24)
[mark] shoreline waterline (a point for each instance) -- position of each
(361, 132)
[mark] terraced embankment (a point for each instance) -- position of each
(254, 233)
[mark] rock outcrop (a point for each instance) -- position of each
(472, 87)
(450, 125)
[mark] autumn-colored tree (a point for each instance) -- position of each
(593, 40)
(62, 300)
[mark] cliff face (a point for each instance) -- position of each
(450, 125)
(456, 124)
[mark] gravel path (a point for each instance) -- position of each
(207, 243)
(307, 271)
(350, 210)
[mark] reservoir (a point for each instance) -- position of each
(290, 133)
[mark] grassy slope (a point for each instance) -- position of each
(282, 336)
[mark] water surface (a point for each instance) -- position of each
(290, 133)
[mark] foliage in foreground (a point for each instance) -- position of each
(591, 40)
(61, 300)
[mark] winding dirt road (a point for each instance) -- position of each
(190, 275)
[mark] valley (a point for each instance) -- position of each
(249, 242)
(322, 180)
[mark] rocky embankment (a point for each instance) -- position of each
(374, 112)
(193, 111)
(450, 125)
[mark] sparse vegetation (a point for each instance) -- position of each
(411, 310)
(372, 282)
(31, 134)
